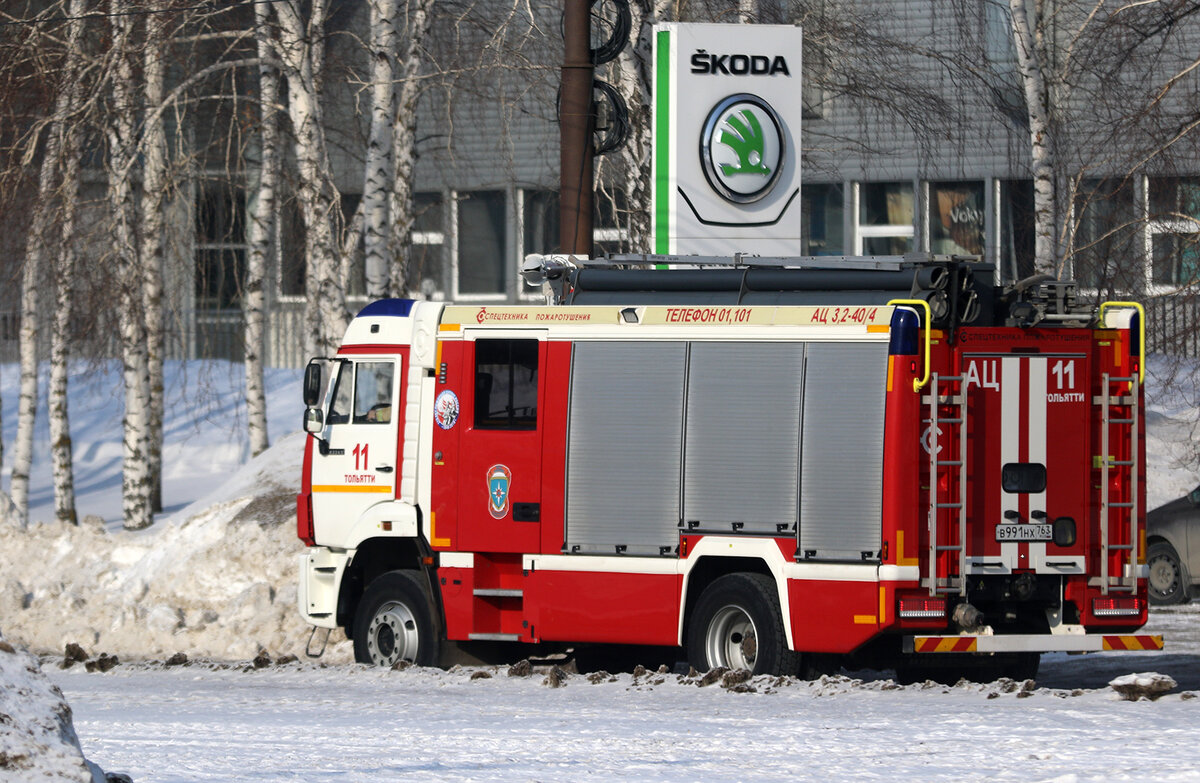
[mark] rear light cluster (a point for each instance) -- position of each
(1116, 607)
(921, 608)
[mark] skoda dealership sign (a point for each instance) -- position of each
(742, 148)
(726, 134)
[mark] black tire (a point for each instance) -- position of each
(1168, 579)
(394, 622)
(737, 624)
(1021, 666)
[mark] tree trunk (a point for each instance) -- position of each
(135, 475)
(32, 280)
(262, 221)
(301, 50)
(1032, 65)
(153, 217)
(61, 456)
(379, 169)
(404, 132)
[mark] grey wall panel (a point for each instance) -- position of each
(741, 457)
(842, 450)
(624, 453)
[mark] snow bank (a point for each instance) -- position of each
(217, 579)
(1172, 428)
(37, 738)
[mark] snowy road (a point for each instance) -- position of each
(349, 723)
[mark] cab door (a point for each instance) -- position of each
(356, 467)
(500, 470)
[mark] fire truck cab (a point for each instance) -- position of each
(917, 478)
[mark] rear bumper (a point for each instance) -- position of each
(1031, 643)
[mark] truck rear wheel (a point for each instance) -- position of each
(394, 623)
(737, 624)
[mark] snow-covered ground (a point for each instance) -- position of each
(350, 723)
(215, 579)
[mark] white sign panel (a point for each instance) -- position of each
(727, 114)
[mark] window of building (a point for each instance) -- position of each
(428, 244)
(292, 233)
(1000, 52)
(1106, 253)
(1015, 231)
(956, 218)
(291, 242)
(822, 211)
(540, 225)
(1174, 227)
(356, 285)
(539, 221)
(610, 223)
(220, 246)
(506, 384)
(885, 217)
(482, 243)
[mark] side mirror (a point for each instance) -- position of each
(312, 385)
(314, 420)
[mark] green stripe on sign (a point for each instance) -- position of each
(662, 144)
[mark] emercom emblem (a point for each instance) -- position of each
(742, 148)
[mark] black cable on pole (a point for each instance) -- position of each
(618, 129)
(608, 51)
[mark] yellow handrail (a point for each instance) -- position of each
(1141, 336)
(917, 384)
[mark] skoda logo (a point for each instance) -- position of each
(742, 148)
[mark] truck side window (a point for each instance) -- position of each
(506, 380)
(373, 392)
(343, 385)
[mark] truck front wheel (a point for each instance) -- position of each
(737, 624)
(394, 623)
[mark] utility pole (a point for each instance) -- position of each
(577, 121)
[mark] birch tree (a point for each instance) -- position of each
(380, 166)
(36, 270)
(153, 150)
(32, 282)
(1033, 62)
(261, 210)
(63, 271)
(404, 141)
(129, 276)
(300, 47)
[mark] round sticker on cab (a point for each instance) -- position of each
(445, 409)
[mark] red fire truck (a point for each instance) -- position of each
(909, 469)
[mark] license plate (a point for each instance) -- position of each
(1024, 532)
